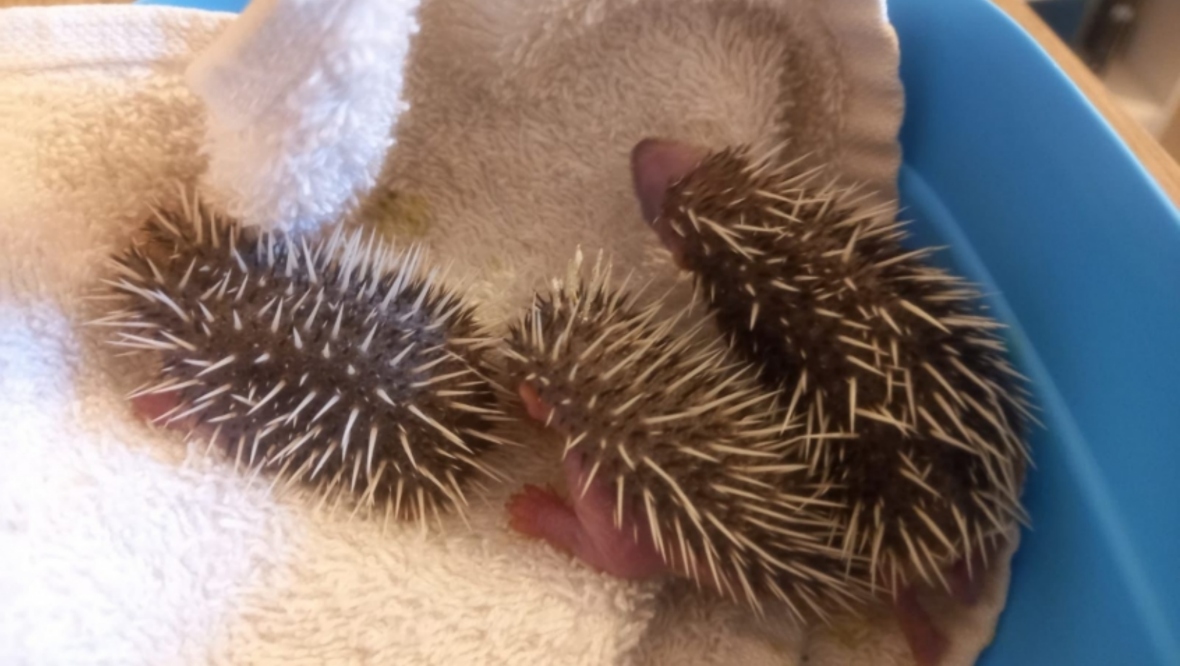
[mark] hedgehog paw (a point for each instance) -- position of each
(153, 406)
(542, 514)
(927, 643)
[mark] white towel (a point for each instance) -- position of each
(301, 97)
(514, 119)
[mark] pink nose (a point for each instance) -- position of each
(656, 164)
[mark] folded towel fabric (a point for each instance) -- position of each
(498, 132)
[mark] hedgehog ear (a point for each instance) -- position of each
(656, 164)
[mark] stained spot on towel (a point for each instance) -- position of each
(397, 214)
(495, 265)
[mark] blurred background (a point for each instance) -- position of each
(1133, 46)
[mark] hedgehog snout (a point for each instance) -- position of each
(656, 165)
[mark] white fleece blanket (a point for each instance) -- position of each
(507, 125)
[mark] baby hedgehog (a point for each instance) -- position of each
(333, 363)
(866, 341)
(675, 456)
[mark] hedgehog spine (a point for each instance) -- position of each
(688, 439)
(868, 341)
(334, 362)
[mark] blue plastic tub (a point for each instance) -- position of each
(1006, 161)
(1009, 164)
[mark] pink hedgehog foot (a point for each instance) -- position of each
(966, 582)
(151, 407)
(927, 643)
(585, 528)
(160, 410)
(543, 514)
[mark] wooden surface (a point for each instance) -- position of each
(1151, 154)
(1171, 136)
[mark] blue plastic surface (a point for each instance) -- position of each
(1007, 162)
(209, 5)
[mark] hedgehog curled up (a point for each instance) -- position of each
(894, 356)
(332, 364)
(868, 340)
(675, 456)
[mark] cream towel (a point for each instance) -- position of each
(119, 544)
(301, 98)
